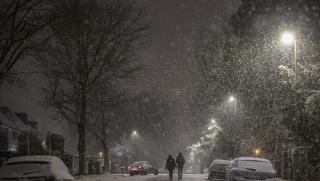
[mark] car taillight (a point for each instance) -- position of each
(129, 167)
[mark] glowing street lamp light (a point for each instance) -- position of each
(100, 154)
(257, 152)
(232, 98)
(213, 121)
(288, 38)
(134, 133)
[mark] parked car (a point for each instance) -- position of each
(46, 168)
(217, 169)
(250, 168)
(143, 168)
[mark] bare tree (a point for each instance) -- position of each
(93, 44)
(21, 23)
(105, 104)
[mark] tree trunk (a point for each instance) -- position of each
(81, 149)
(82, 133)
(106, 159)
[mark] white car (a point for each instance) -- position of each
(39, 168)
(251, 168)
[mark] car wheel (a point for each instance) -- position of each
(156, 172)
(131, 174)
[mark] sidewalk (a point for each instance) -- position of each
(99, 177)
(279, 179)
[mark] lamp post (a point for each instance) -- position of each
(288, 38)
(134, 135)
(234, 100)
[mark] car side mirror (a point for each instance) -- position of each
(228, 168)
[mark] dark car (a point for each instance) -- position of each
(217, 169)
(250, 168)
(143, 168)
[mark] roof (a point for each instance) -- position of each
(36, 158)
(253, 159)
(12, 121)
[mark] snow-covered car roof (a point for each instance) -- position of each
(18, 166)
(260, 164)
(38, 158)
(141, 162)
(252, 159)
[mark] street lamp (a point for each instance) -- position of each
(288, 38)
(100, 154)
(231, 98)
(234, 99)
(257, 152)
(134, 133)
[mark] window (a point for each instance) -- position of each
(4, 139)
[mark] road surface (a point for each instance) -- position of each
(161, 177)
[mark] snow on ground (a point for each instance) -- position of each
(160, 177)
(116, 177)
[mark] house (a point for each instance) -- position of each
(11, 126)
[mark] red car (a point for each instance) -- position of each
(143, 168)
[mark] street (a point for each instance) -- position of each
(161, 177)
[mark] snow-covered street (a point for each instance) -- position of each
(161, 177)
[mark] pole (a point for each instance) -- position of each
(28, 143)
(235, 108)
(235, 120)
(49, 142)
(295, 58)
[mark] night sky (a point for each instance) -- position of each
(169, 69)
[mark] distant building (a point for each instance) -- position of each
(55, 144)
(11, 126)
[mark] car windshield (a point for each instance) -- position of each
(255, 165)
(137, 163)
(219, 167)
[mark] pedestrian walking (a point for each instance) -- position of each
(170, 165)
(180, 162)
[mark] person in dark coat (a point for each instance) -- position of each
(170, 165)
(180, 162)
